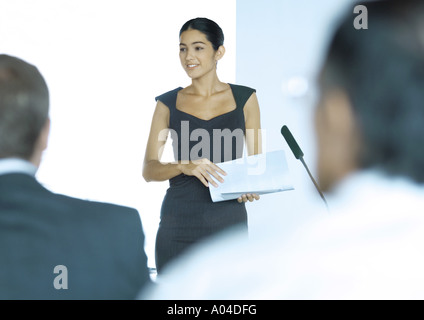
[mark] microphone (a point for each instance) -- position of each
(298, 153)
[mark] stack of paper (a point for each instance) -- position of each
(261, 174)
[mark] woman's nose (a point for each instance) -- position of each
(189, 55)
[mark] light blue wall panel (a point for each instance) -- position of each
(280, 46)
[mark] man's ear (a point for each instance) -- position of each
(338, 113)
(44, 135)
(41, 144)
(338, 138)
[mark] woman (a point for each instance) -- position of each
(203, 119)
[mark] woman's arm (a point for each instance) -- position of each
(155, 170)
(253, 136)
(252, 118)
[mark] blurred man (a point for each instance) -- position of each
(53, 246)
(370, 130)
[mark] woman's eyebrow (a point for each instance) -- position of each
(197, 42)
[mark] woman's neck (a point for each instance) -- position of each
(207, 85)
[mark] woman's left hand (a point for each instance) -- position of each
(248, 197)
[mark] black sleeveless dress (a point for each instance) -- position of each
(188, 214)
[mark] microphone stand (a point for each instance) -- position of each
(298, 153)
(313, 180)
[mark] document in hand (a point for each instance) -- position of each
(261, 174)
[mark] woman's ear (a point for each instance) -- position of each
(219, 53)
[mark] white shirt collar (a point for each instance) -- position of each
(374, 186)
(15, 165)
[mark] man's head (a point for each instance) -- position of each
(24, 108)
(371, 111)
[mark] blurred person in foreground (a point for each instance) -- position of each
(370, 130)
(53, 246)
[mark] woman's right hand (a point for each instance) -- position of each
(204, 170)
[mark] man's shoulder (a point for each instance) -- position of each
(27, 195)
(93, 205)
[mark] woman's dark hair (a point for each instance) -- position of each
(210, 28)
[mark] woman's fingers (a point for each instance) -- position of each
(212, 169)
(206, 175)
(202, 173)
(199, 175)
(218, 169)
(206, 171)
(248, 197)
(242, 199)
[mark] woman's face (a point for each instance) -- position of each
(197, 55)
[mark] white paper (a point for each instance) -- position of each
(261, 174)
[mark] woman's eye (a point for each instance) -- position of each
(182, 49)
(199, 48)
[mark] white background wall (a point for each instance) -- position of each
(104, 62)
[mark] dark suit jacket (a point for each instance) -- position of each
(101, 245)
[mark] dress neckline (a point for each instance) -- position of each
(213, 118)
